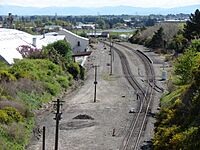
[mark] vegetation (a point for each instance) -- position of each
(151, 36)
(157, 40)
(192, 30)
(178, 125)
(27, 85)
(63, 48)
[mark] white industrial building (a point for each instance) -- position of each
(11, 39)
(78, 43)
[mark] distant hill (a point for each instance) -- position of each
(117, 10)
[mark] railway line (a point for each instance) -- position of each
(132, 138)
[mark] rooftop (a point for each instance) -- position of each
(10, 39)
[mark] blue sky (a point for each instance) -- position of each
(100, 3)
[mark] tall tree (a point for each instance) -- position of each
(157, 40)
(192, 27)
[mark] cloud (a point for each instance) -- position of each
(100, 3)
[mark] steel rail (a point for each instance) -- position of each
(147, 96)
(151, 79)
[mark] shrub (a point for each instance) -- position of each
(70, 77)
(32, 100)
(14, 104)
(185, 65)
(82, 72)
(35, 69)
(52, 88)
(4, 118)
(16, 132)
(6, 76)
(29, 52)
(3, 145)
(13, 114)
(63, 48)
(74, 69)
(63, 81)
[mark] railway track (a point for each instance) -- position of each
(147, 64)
(132, 138)
(132, 141)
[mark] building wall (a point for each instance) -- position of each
(78, 43)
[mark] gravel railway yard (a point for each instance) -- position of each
(104, 125)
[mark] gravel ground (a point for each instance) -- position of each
(158, 61)
(115, 98)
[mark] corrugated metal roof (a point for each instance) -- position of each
(10, 39)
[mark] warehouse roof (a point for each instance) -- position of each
(11, 39)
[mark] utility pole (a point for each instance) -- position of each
(95, 82)
(110, 57)
(58, 113)
(43, 138)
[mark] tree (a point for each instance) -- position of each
(30, 52)
(178, 42)
(63, 48)
(187, 63)
(101, 23)
(157, 40)
(192, 27)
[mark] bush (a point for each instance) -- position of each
(4, 118)
(82, 72)
(14, 104)
(9, 114)
(74, 69)
(13, 114)
(185, 65)
(35, 69)
(52, 88)
(63, 81)
(63, 48)
(33, 100)
(16, 132)
(6, 76)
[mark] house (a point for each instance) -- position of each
(86, 26)
(11, 39)
(99, 34)
(52, 27)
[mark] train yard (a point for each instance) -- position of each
(127, 96)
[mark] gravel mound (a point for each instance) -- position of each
(84, 116)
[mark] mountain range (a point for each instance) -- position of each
(109, 10)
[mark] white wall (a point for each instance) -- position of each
(73, 39)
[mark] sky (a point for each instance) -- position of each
(101, 3)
